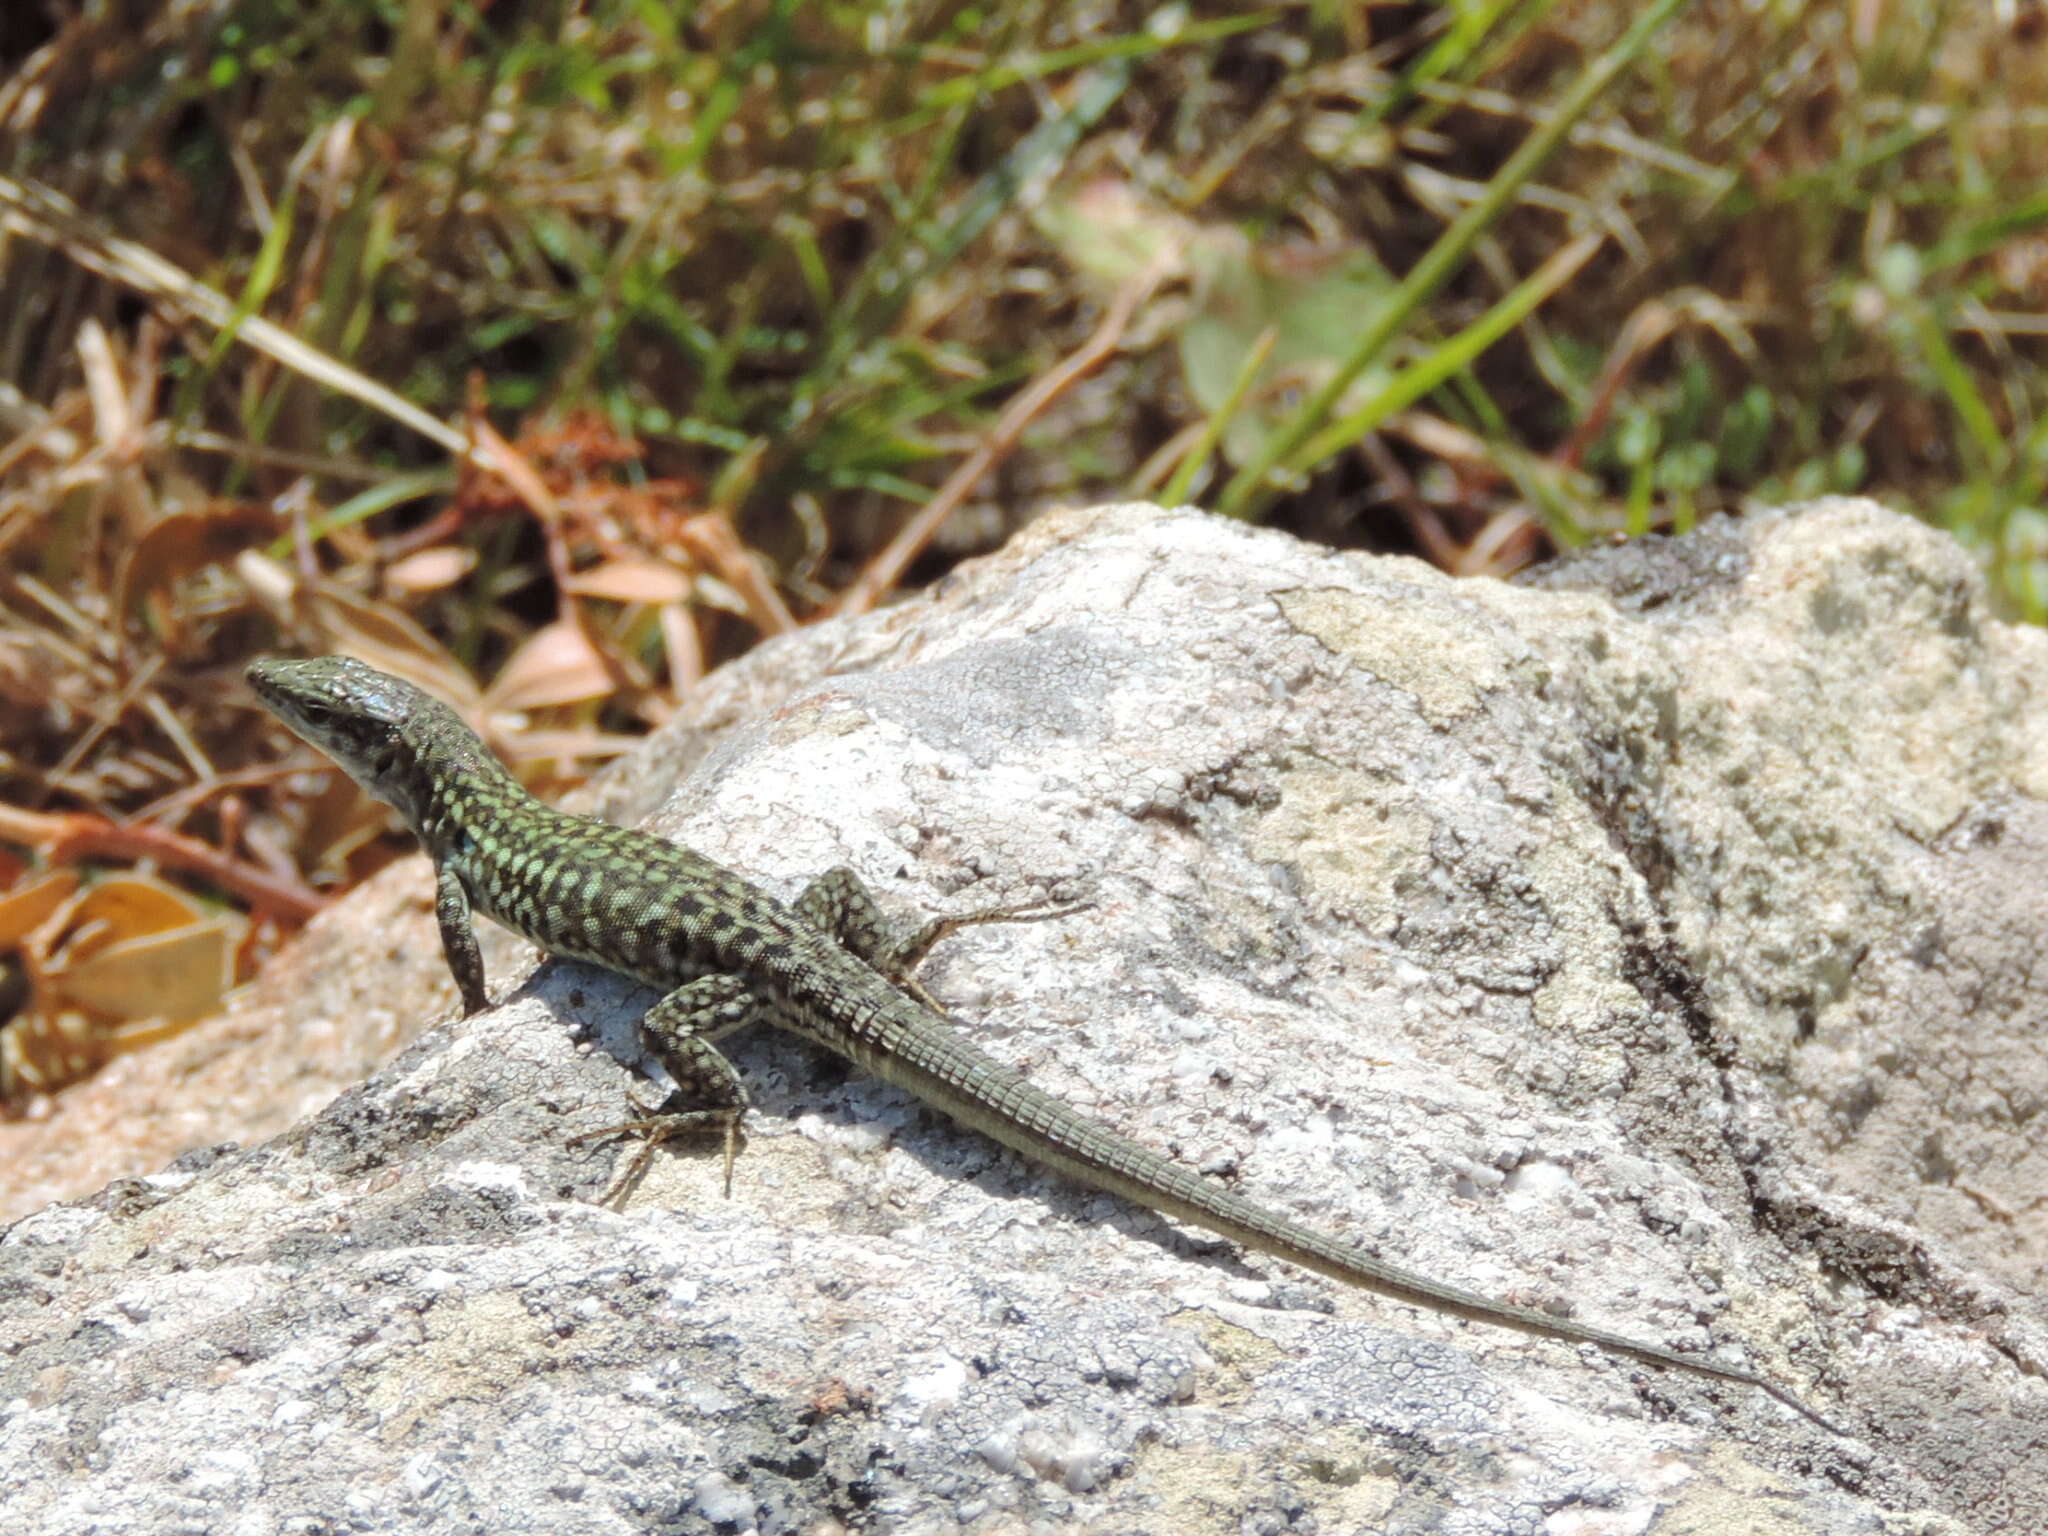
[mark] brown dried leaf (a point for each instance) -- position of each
(431, 570)
(683, 646)
(629, 580)
(179, 543)
(130, 948)
(341, 822)
(556, 665)
(570, 746)
(113, 423)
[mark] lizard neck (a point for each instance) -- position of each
(454, 794)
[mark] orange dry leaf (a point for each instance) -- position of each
(106, 967)
(29, 905)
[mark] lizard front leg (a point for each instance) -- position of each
(458, 939)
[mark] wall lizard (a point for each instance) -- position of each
(725, 954)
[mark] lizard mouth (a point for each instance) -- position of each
(260, 679)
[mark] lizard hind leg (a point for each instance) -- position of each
(679, 1031)
(839, 904)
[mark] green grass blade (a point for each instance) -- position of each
(1445, 257)
(1454, 355)
(1196, 459)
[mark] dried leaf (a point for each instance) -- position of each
(628, 580)
(570, 746)
(341, 822)
(179, 543)
(124, 907)
(27, 907)
(556, 665)
(683, 645)
(130, 947)
(113, 425)
(431, 570)
(178, 975)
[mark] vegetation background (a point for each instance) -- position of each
(553, 352)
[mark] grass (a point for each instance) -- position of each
(556, 352)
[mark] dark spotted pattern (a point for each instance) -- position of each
(726, 952)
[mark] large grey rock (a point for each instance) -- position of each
(1653, 941)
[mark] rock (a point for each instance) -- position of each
(1652, 941)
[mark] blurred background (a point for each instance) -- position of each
(554, 353)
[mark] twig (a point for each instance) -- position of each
(887, 568)
(511, 466)
(67, 836)
(711, 539)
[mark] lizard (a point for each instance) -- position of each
(725, 953)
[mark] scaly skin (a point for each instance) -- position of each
(726, 953)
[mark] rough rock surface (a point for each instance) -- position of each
(1652, 940)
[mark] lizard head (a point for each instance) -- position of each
(389, 735)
